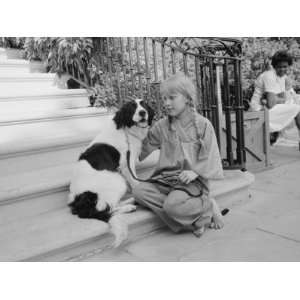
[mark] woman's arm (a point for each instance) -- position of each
(288, 83)
(273, 99)
(271, 87)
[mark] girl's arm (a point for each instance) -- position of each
(209, 164)
(151, 142)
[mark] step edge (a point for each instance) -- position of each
(49, 187)
(28, 75)
(243, 182)
(46, 147)
(50, 118)
(38, 97)
(46, 188)
(150, 217)
(104, 239)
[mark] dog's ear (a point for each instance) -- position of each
(151, 114)
(84, 205)
(123, 117)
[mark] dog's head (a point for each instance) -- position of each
(134, 113)
(85, 206)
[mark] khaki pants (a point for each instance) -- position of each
(176, 208)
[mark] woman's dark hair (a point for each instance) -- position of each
(280, 56)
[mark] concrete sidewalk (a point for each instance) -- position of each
(266, 227)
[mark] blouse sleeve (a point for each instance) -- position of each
(270, 84)
(151, 142)
(209, 163)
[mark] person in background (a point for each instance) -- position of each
(273, 88)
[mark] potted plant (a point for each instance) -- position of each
(14, 47)
(36, 51)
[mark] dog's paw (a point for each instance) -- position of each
(130, 200)
(217, 222)
(125, 209)
(130, 208)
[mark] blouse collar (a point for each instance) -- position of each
(185, 117)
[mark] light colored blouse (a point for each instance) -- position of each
(183, 147)
(268, 81)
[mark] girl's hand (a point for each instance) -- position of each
(187, 176)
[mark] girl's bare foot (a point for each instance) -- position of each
(217, 218)
(200, 225)
(217, 221)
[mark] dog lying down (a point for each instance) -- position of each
(101, 175)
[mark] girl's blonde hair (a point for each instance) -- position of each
(180, 83)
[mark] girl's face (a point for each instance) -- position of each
(175, 104)
(282, 68)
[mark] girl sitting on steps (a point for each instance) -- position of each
(189, 157)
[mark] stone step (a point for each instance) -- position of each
(41, 195)
(21, 70)
(56, 235)
(41, 99)
(56, 232)
(43, 116)
(21, 66)
(12, 63)
(12, 76)
(35, 92)
(40, 143)
(11, 89)
(13, 66)
(2, 53)
(33, 185)
(10, 70)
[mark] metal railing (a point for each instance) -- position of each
(136, 67)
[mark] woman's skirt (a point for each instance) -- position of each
(282, 115)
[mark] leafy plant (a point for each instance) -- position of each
(13, 42)
(103, 94)
(82, 58)
(36, 48)
(70, 55)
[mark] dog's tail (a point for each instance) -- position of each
(119, 228)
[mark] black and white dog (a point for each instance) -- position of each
(101, 174)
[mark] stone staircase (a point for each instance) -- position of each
(42, 130)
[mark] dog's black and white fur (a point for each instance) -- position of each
(101, 175)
